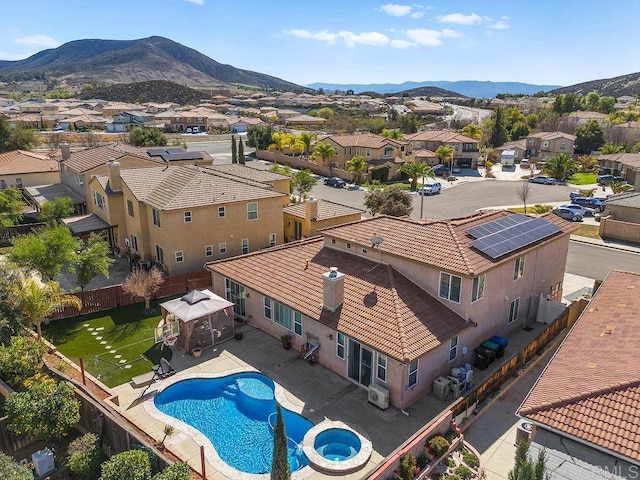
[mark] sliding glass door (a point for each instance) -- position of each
(360, 363)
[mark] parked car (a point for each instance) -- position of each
(576, 194)
(440, 170)
(456, 169)
(430, 188)
(567, 214)
(604, 179)
(188, 130)
(335, 182)
(542, 179)
(598, 204)
(581, 209)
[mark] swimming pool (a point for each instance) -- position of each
(233, 413)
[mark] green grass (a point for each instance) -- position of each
(125, 330)
(583, 179)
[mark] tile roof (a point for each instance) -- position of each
(366, 140)
(244, 172)
(382, 308)
(95, 157)
(552, 135)
(326, 210)
(187, 186)
(444, 136)
(626, 199)
(591, 387)
(442, 244)
(626, 158)
(424, 153)
(21, 161)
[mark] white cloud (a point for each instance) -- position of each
(423, 36)
(401, 44)
(15, 56)
(396, 10)
(36, 41)
(461, 19)
(374, 39)
(321, 36)
(448, 33)
(195, 2)
(501, 25)
(417, 15)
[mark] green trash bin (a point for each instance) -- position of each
(493, 346)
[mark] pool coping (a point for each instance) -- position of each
(332, 467)
(201, 440)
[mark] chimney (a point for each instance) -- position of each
(115, 182)
(311, 209)
(66, 151)
(333, 289)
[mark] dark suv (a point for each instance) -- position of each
(335, 182)
(597, 204)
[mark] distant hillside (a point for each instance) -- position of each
(429, 92)
(468, 88)
(123, 61)
(614, 87)
(159, 91)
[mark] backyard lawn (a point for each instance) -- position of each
(583, 179)
(115, 345)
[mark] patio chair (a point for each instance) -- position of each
(164, 368)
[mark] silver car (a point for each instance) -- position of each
(584, 211)
(567, 214)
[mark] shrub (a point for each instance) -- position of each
(408, 467)
(422, 461)
(11, 470)
(21, 359)
(177, 471)
(463, 472)
(452, 477)
(470, 459)
(85, 456)
(438, 445)
(129, 465)
(539, 209)
(451, 463)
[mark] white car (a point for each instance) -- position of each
(430, 188)
(584, 211)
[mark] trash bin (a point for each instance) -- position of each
(494, 347)
(484, 357)
(502, 342)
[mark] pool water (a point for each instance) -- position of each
(233, 413)
(337, 444)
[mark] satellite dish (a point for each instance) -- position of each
(375, 241)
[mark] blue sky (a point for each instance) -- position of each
(553, 42)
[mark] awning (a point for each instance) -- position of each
(196, 304)
(85, 223)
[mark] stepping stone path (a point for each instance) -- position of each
(95, 332)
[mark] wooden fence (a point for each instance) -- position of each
(112, 297)
(7, 234)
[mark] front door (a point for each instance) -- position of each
(360, 361)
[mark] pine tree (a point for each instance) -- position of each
(240, 151)
(527, 469)
(234, 150)
(498, 135)
(280, 464)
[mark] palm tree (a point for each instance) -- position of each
(610, 148)
(358, 166)
(417, 170)
(324, 151)
(307, 139)
(39, 300)
(445, 154)
(393, 134)
(472, 130)
(279, 141)
(619, 186)
(561, 166)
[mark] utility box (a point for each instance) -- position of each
(43, 462)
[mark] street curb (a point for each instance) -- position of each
(599, 243)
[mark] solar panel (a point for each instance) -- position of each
(494, 226)
(505, 241)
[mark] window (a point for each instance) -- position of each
(156, 217)
(450, 287)
(381, 371)
(267, 308)
(159, 254)
(187, 216)
(413, 374)
(364, 250)
(357, 150)
(453, 348)
(134, 242)
(348, 245)
(130, 208)
(272, 239)
(3, 184)
(179, 256)
(98, 200)
(19, 182)
(297, 323)
(222, 248)
(252, 211)
(340, 345)
(478, 288)
(208, 250)
(245, 245)
(222, 212)
(513, 310)
(78, 178)
(388, 151)
(518, 270)
(333, 241)
(367, 152)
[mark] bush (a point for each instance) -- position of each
(452, 477)
(470, 459)
(451, 463)
(422, 461)
(463, 472)
(85, 456)
(438, 445)
(408, 467)
(11, 470)
(177, 471)
(129, 465)
(20, 360)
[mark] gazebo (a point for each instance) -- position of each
(203, 317)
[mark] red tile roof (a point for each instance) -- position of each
(95, 157)
(444, 136)
(365, 140)
(591, 388)
(443, 244)
(382, 308)
(22, 162)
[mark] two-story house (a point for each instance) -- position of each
(22, 169)
(466, 150)
(543, 145)
(407, 301)
(180, 217)
(304, 220)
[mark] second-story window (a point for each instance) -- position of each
(453, 348)
(478, 288)
(208, 250)
(518, 270)
(450, 287)
(367, 152)
(222, 212)
(98, 200)
(130, 208)
(155, 213)
(252, 211)
(272, 239)
(187, 216)
(245, 245)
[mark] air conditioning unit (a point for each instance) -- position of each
(379, 396)
(524, 431)
(43, 462)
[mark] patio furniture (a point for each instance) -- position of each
(163, 369)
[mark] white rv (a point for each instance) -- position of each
(508, 158)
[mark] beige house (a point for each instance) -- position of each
(518, 146)
(22, 169)
(408, 301)
(304, 220)
(178, 218)
(466, 150)
(543, 145)
(621, 218)
(626, 165)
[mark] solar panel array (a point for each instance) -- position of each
(501, 237)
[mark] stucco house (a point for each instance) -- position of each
(621, 218)
(625, 165)
(466, 150)
(20, 168)
(407, 300)
(543, 145)
(304, 220)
